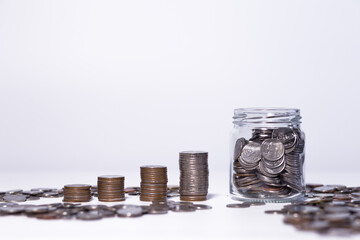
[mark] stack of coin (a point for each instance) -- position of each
(111, 188)
(153, 186)
(194, 175)
(77, 193)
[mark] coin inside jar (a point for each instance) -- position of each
(285, 135)
(251, 152)
(272, 149)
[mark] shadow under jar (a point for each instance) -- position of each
(267, 155)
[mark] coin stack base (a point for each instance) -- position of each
(153, 185)
(193, 198)
(77, 193)
(111, 188)
(194, 175)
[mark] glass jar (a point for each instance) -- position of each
(267, 155)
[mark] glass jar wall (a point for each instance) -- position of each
(267, 155)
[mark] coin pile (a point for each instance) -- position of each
(270, 164)
(77, 193)
(329, 209)
(111, 188)
(153, 186)
(194, 175)
(95, 212)
(19, 195)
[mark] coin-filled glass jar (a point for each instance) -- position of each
(267, 155)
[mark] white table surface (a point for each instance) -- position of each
(217, 223)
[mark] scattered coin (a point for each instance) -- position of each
(238, 205)
(257, 203)
(202, 207)
(184, 208)
(130, 211)
(91, 215)
(15, 198)
(327, 211)
(48, 216)
(273, 212)
(37, 209)
(12, 210)
(325, 189)
(158, 209)
(14, 191)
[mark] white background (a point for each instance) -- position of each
(107, 86)
(116, 84)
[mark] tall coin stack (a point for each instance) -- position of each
(111, 188)
(194, 175)
(153, 186)
(77, 193)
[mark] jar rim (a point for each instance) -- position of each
(266, 109)
(266, 115)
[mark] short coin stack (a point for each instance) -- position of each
(111, 188)
(194, 175)
(77, 193)
(153, 186)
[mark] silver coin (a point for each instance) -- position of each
(44, 189)
(336, 209)
(319, 225)
(240, 143)
(173, 194)
(251, 153)
(130, 211)
(238, 205)
(33, 193)
(338, 217)
(272, 149)
(8, 204)
(107, 212)
(51, 194)
(202, 207)
(261, 169)
(246, 165)
(92, 215)
(275, 171)
(302, 209)
(286, 135)
(14, 191)
(12, 209)
(274, 212)
(273, 164)
(36, 209)
(257, 203)
(158, 209)
(15, 198)
(325, 189)
(355, 195)
(184, 208)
